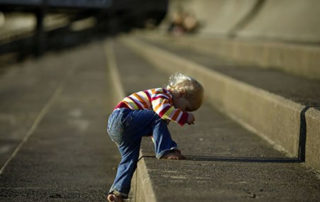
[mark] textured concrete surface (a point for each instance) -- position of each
(270, 114)
(289, 20)
(286, 20)
(302, 60)
(225, 162)
(297, 89)
(215, 16)
(67, 156)
(25, 90)
(57, 107)
(313, 141)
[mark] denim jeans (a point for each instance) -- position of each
(126, 127)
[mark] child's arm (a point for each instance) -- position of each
(165, 110)
(173, 114)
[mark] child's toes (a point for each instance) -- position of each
(113, 198)
(174, 157)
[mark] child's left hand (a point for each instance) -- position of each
(190, 119)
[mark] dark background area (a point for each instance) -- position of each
(107, 17)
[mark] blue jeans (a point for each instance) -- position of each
(126, 127)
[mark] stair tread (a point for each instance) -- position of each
(224, 160)
(300, 90)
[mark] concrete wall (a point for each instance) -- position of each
(217, 17)
(313, 138)
(292, 20)
(289, 20)
(281, 34)
(297, 59)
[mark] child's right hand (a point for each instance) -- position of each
(190, 119)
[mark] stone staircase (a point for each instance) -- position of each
(256, 136)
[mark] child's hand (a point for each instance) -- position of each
(190, 119)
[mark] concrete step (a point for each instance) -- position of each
(294, 58)
(225, 161)
(64, 153)
(281, 108)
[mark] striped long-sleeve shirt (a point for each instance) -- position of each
(159, 100)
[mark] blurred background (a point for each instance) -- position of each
(58, 79)
(32, 27)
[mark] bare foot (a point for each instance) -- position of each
(173, 155)
(114, 198)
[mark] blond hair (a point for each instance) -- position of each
(190, 88)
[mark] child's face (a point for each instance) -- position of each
(182, 103)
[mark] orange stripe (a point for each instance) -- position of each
(141, 100)
(126, 103)
(153, 91)
(145, 98)
(160, 104)
(176, 114)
